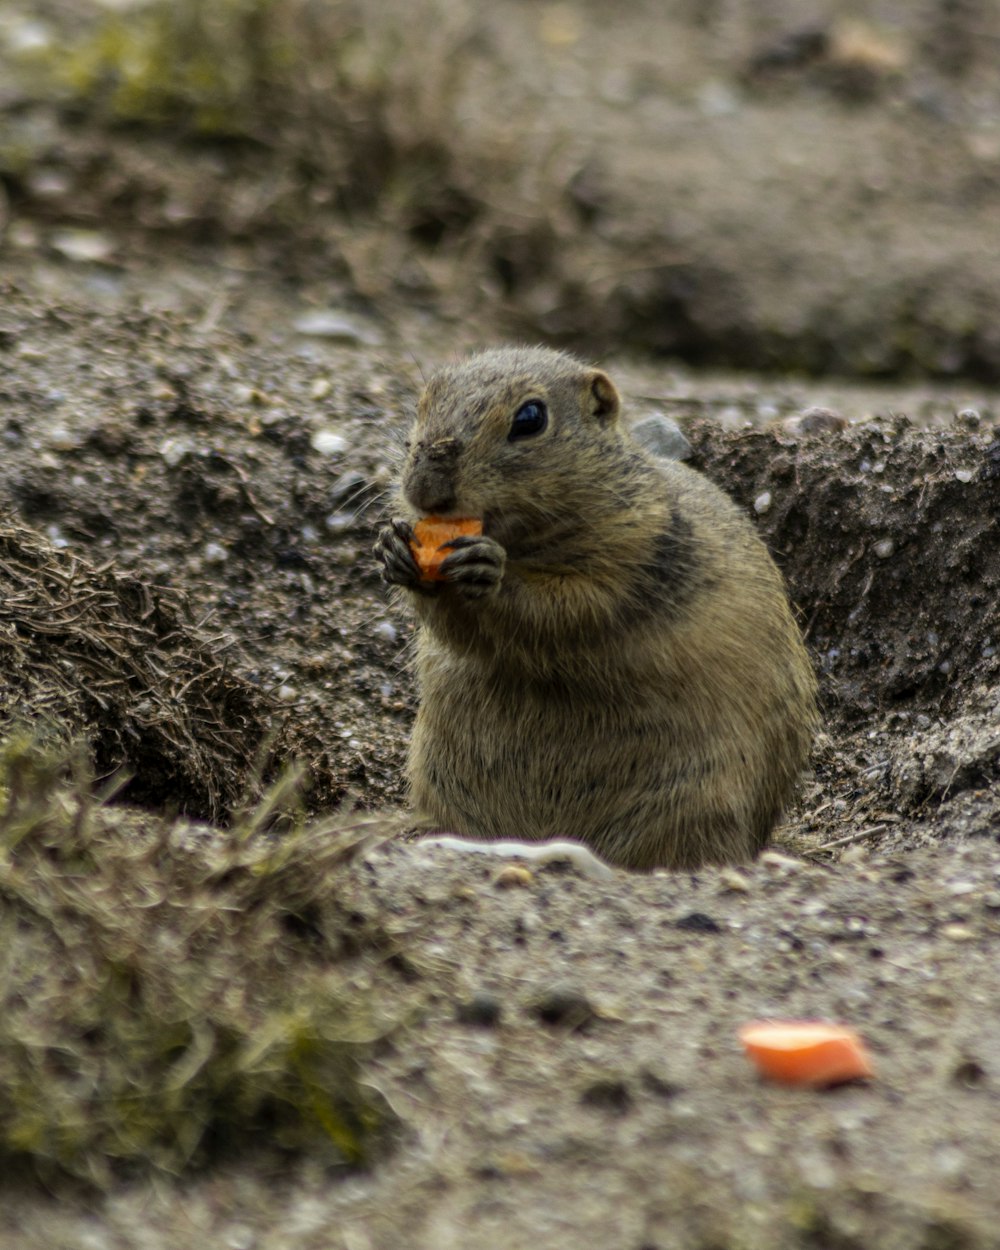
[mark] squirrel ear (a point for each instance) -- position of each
(604, 401)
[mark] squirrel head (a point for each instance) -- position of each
(512, 432)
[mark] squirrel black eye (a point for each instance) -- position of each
(530, 418)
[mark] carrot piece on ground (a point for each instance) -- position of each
(806, 1052)
(430, 533)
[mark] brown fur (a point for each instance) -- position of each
(615, 660)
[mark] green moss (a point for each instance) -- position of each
(336, 103)
(191, 63)
(272, 71)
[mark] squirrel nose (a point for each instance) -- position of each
(430, 491)
(429, 483)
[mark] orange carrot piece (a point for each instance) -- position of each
(429, 535)
(806, 1052)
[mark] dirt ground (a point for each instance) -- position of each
(199, 419)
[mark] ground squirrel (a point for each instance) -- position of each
(614, 659)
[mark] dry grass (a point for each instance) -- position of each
(104, 655)
(172, 994)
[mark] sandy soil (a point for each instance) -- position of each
(561, 1052)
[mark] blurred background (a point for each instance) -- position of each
(774, 185)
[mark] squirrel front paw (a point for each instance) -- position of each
(475, 566)
(395, 554)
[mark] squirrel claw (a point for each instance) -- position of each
(475, 566)
(392, 550)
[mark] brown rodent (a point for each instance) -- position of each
(614, 659)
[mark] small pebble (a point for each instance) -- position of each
(339, 522)
(775, 859)
(957, 933)
(662, 436)
(821, 421)
(970, 1073)
(328, 442)
(884, 548)
(286, 694)
(174, 450)
(513, 875)
(698, 922)
(815, 421)
(969, 417)
(762, 503)
(335, 326)
(62, 439)
(760, 1144)
(84, 246)
(244, 394)
(481, 1009)
(386, 631)
(964, 475)
(321, 388)
(734, 882)
(214, 553)
(563, 1006)
(608, 1094)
